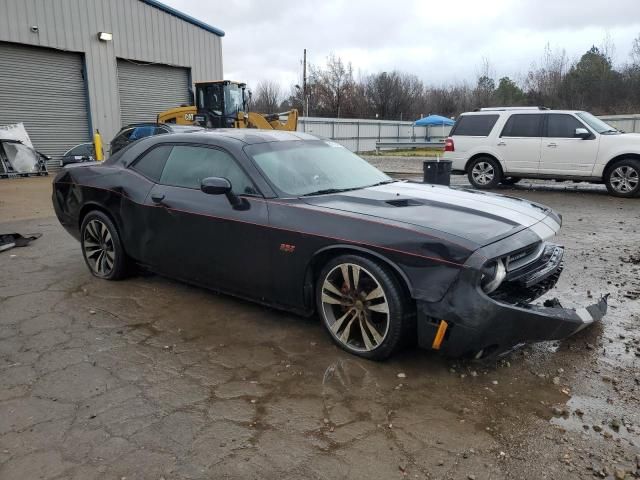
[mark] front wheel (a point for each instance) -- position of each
(484, 172)
(623, 178)
(101, 247)
(362, 306)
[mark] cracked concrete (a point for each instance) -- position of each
(149, 378)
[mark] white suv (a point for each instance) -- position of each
(504, 145)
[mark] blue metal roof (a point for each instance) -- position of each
(184, 16)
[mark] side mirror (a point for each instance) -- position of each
(222, 186)
(582, 133)
(215, 186)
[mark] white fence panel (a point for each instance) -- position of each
(626, 123)
(319, 129)
(346, 131)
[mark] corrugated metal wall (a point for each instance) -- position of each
(148, 89)
(44, 89)
(140, 32)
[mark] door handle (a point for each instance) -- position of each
(502, 144)
(157, 197)
(552, 145)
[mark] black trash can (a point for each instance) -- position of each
(438, 172)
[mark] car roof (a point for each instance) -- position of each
(182, 128)
(171, 126)
(220, 137)
(511, 110)
(249, 136)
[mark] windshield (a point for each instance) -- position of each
(233, 99)
(313, 167)
(595, 123)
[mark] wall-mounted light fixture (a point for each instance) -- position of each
(105, 37)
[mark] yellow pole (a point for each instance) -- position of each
(97, 146)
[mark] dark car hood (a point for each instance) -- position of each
(476, 216)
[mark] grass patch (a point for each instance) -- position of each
(408, 152)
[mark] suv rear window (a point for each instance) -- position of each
(523, 125)
(474, 125)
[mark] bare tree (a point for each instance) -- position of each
(591, 81)
(267, 97)
(331, 86)
(635, 51)
(394, 95)
(544, 83)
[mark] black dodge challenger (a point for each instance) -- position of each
(302, 224)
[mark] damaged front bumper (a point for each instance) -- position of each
(467, 322)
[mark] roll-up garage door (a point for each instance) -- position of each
(44, 89)
(148, 89)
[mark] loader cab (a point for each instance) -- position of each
(218, 103)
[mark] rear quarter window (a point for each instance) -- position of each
(474, 125)
(152, 163)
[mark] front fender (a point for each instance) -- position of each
(340, 249)
(426, 281)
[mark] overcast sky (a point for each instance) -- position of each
(440, 42)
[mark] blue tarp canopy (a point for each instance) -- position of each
(433, 120)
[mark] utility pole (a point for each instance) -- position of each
(305, 93)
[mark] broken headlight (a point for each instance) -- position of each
(492, 275)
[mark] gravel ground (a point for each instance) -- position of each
(150, 378)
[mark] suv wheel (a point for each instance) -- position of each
(484, 172)
(623, 178)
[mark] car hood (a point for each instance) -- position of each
(621, 139)
(478, 217)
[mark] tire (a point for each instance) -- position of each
(484, 172)
(510, 180)
(369, 320)
(623, 178)
(101, 247)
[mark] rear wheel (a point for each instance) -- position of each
(623, 178)
(484, 172)
(101, 247)
(362, 306)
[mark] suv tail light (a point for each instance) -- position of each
(448, 145)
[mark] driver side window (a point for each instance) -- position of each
(187, 166)
(562, 125)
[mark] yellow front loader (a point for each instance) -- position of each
(223, 104)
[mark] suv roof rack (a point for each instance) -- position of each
(500, 109)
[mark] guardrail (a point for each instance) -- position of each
(408, 144)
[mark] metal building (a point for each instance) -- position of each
(69, 67)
